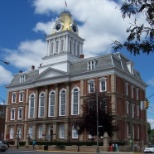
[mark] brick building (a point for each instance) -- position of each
(43, 102)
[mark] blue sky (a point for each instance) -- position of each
(24, 24)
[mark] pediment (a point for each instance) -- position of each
(51, 72)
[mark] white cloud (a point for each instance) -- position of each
(5, 76)
(151, 82)
(151, 121)
(28, 53)
(102, 22)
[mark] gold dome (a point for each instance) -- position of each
(65, 22)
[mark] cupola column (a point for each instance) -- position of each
(66, 44)
(47, 48)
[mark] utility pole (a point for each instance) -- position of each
(131, 126)
(97, 150)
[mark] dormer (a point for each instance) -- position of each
(130, 67)
(91, 64)
(22, 78)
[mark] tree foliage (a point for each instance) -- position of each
(140, 37)
(88, 120)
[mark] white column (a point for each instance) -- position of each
(67, 114)
(66, 47)
(56, 111)
(54, 47)
(46, 103)
(47, 48)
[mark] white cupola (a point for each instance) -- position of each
(64, 44)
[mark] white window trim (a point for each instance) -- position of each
(74, 133)
(13, 109)
(39, 109)
(15, 97)
(20, 108)
(137, 94)
(61, 131)
(40, 131)
(100, 84)
(52, 91)
(138, 110)
(11, 133)
(30, 131)
(90, 81)
(91, 65)
(60, 102)
(72, 101)
(126, 88)
(22, 78)
(21, 92)
(133, 113)
(127, 107)
(30, 106)
(132, 91)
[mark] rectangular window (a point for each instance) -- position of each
(30, 131)
(91, 87)
(132, 91)
(133, 106)
(127, 108)
(11, 133)
(137, 94)
(13, 97)
(21, 95)
(138, 110)
(12, 114)
(102, 82)
(20, 113)
(128, 129)
(40, 132)
(126, 88)
(74, 133)
(22, 78)
(91, 65)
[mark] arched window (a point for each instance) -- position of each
(62, 103)
(31, 106)
(51, 104)
(11, 133)
(41, 105)
(61, 131)
(75, 101)
(57, 45)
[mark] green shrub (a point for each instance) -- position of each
(11, 142)
(22, 143)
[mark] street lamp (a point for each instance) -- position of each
(97, 149)
(78, 128)
(17, 136)
(28, 138)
